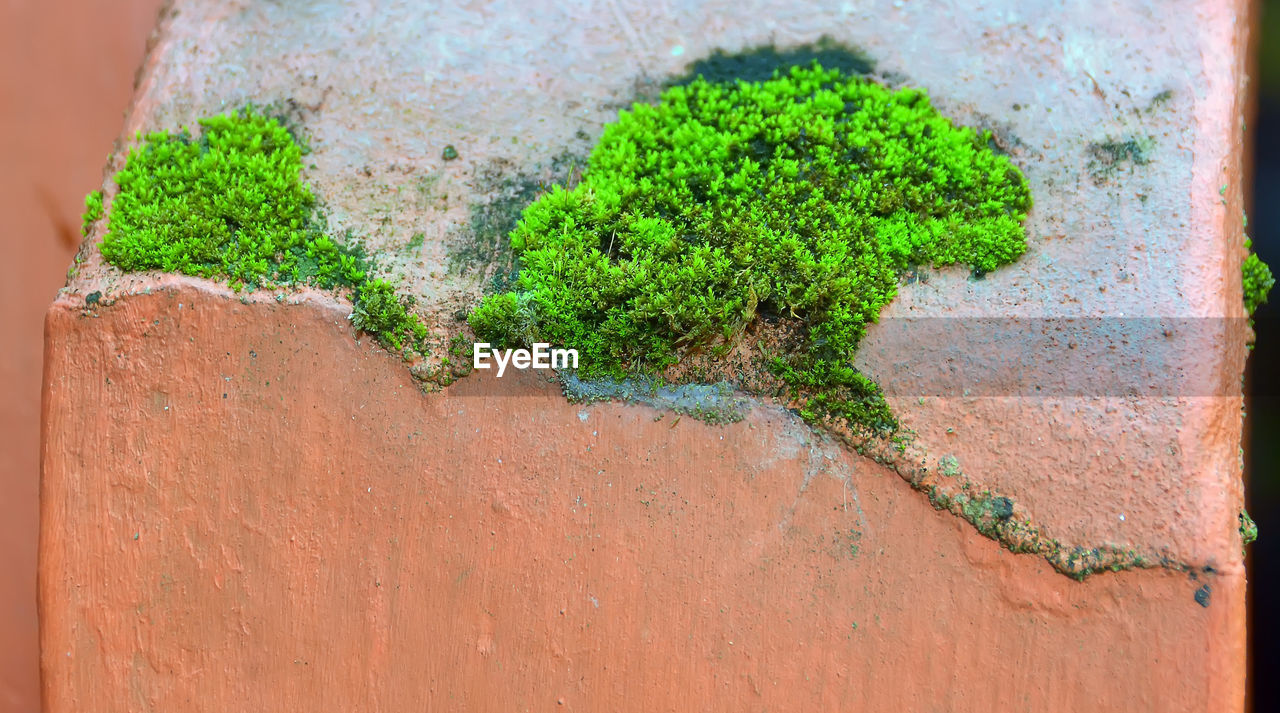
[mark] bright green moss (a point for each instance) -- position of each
(1258, 280)
(92, 211)
(801, 200)
(1248, 529)
(228, 203)
(231, 203)
(378, 310)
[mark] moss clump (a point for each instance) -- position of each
(228, 203)
(379, 311)
(1248, 530)
(231, 203)
(1258, 279)
(92, 211)
(802, 198)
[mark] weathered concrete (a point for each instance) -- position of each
(328, 536)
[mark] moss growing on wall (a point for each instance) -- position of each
(230, 203)
(92, 211)
(1258, 279)
(378, 310)
(804, 197)
(226, 203)
(1248, 531)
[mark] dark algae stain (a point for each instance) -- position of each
(760, 64)
(1109, 156)
(795, 203)
(483, 246)
(1202, 595)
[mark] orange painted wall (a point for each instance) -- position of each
(66, 74)
(269, 516)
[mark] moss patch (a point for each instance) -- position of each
(378, 310)
(1257, 279)
(92, 211)
(1248, 530)
(229, 202)
(802, 198)
(482, 247)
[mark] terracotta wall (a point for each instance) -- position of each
(249, 507)
(66, 74)
(481, 549)
(276, 519)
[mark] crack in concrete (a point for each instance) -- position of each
(999, 517)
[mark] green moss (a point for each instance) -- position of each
(230, 203)
(481, 247)
(1248, 529)
(92, 211)
(378, 310)
(227, 203)
(1258, 279)
(801, 199)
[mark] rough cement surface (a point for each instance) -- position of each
(383, 88)
(277, 519)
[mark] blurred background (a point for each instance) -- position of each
(67, 71)
(1262, 425)
(66, 77)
